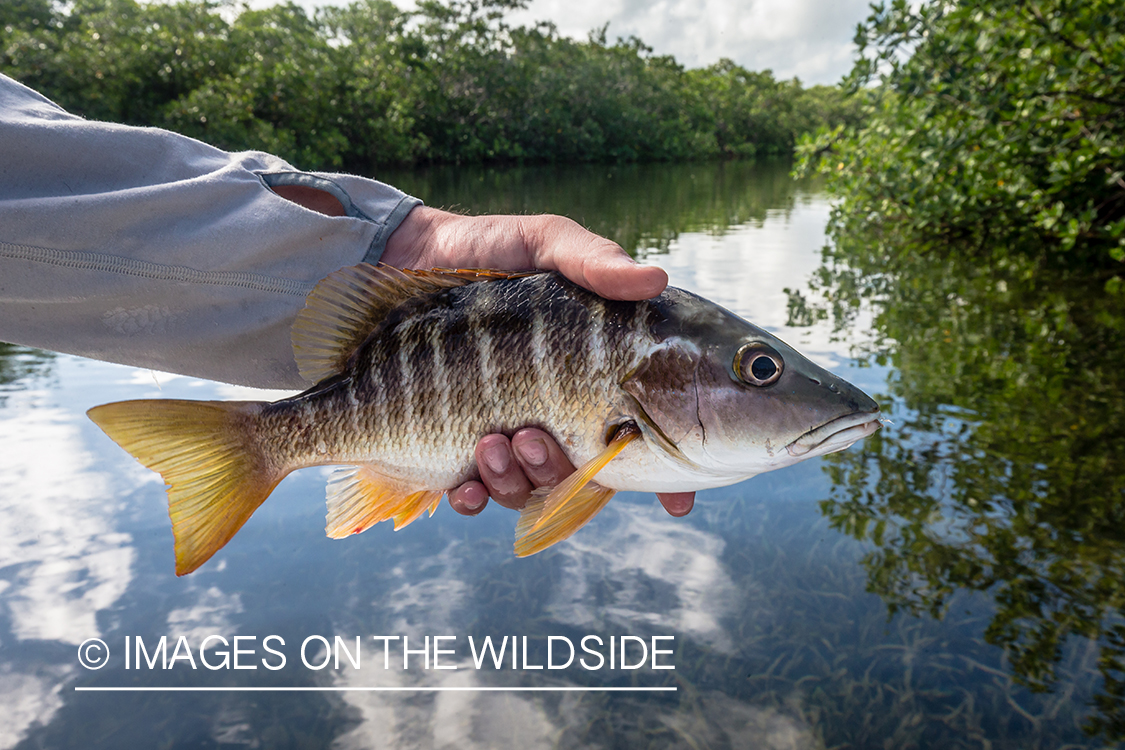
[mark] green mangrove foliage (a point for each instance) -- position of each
(370, 84)
(995, 122)
(1004, 468)
(982, 216)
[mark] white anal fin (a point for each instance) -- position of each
(359, 497)
(551, 518)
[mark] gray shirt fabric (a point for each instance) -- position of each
(141, 246)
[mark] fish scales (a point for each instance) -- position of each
(398, 411)
(432, 381)
(415, 367)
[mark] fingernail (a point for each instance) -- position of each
(534, 452)
(496, 458)
(471, 501)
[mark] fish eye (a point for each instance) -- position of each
(758, 364)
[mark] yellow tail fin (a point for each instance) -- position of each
(217, 475)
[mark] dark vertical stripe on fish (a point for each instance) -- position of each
(485, 347)
(404, 350)
(457, 351)
(542, 361)
(442, 401)
(386, 369)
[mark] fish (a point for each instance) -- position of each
(413, 367)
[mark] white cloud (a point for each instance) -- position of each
(642, 549)
(64, 559)
(810, 39)
(212, 612)
(631, 549)
(440, 721)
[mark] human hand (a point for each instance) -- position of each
(429, 238)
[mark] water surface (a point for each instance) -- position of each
(778, 592)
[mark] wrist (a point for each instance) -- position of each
(411, 244)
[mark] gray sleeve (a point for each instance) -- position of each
(140, 246)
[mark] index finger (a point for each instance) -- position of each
(592, 261)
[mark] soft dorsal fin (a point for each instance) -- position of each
(346, 306)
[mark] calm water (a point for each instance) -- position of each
(966, 518)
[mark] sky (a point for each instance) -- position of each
(809, 39)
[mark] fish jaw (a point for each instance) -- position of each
(835, 435)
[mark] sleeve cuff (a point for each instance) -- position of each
(368, 200)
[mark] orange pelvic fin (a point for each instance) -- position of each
(359, 498)
(216, 476)
(554, 516)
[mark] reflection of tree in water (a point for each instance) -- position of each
(639, 206)
(18, 363)
(1004, 470)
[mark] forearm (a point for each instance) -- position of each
(144, 247)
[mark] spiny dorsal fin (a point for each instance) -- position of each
(359, 497)
(344, 307)
(550, 518)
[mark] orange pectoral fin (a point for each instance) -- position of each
(552, 518)
(578, 511)
(359, 497)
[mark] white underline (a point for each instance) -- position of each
(375, 689)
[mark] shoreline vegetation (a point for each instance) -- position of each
(371, 85)
(991, 128)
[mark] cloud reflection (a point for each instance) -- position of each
(666, 576)
(213, 612)
(62, 559)
(67, 560)
(432, 721)
(433, 596)
(27, 700)
(635, 570)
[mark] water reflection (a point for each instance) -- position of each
(1005, 471)
(18, 363)
(641, 571)
(778, 645)
(643, 207)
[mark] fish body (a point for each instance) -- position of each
(669, 394)
(463, 363)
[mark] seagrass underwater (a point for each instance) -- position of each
(412, 368)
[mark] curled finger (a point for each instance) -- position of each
(469, 499)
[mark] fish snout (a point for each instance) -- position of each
(837, 434)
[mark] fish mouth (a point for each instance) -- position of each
(835, 435)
